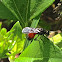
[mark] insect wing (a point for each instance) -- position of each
(27, 30)
(31, 30)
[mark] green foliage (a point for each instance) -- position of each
(57, 39)
(35, 22)
(5, 13)
(11, 41)
(40, 50)
(23, 10)
(20, 37)
(5, 38)
(38, 6)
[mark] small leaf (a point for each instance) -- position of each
(35, 22)
(0, 25)
(57, 39)
(3, 31)
(17, 29)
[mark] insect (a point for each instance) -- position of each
(33, 31)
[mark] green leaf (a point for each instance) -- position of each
(17, 29)
(0, 25)
(27, 59)
(38, 6)
(32, 50)
(35, 23)
(5, 44)
(3, 31)
(22, 10)
(17, 8)
(55, 60)
(11, 41)
(5, 13)
(57, 39)
(43, 48)
(18, 37)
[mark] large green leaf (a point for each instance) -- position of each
(38, 6)
(17, 8)
(22, 10)
(5, 13)
(42, 48)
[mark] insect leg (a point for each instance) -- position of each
(36, 37)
